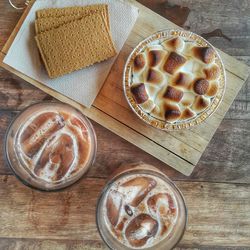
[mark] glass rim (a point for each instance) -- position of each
(145, 171)
(88, 164)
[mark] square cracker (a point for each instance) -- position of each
(55, 17)
(75, 45)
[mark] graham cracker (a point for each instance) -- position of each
(75, 45)
(53, 18)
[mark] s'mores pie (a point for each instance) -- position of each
(173, 78)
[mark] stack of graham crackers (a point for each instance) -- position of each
(72, 38)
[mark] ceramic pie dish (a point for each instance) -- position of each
(174, 80)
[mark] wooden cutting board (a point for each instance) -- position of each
(180, 150)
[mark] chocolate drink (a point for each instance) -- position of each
(141, 210)
(53, 144)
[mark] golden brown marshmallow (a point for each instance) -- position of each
(174, 62)
(139, 93)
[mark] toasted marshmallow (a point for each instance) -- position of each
(182, 80)
(154, 76)
(148, 106)
(172, 112)
(200, 103)
(174, 44)
(173, 94)
(201, 86)
(139, 63)
(205, 54)
(139, 93)
(174, 62)
(159, 111)
(187, 114)
(188, 99)
(213, 89)
(212, 73)
(154, 57)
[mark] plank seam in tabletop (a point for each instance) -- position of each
(194, 181)
(187, 181)
(180, 245)
(213, 182)
(101, 246)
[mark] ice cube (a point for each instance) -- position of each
(137, 189)
(78, 123)
(58, 155)
(161, 203)
(113, 205)
(140, 229)
(121, 224)
(40, 129)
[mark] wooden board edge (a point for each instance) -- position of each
(242, 69)
(17, 28)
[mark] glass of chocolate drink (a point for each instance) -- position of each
(141, 208)
(49, 146)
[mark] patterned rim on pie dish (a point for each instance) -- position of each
(156, 122)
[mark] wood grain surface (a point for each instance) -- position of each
(217, 193)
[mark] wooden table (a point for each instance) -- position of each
(217, 193)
